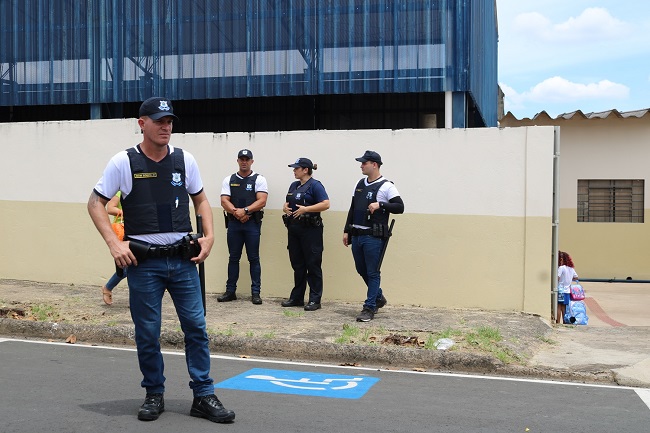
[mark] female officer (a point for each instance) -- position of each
(305, 201)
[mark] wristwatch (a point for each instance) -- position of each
(246, 210)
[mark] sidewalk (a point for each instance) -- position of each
(613, 348)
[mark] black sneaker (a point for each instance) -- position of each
(256, 299)
(153, 406)
(210, 407)
(381, 302)
(366, 315)
(227, 297)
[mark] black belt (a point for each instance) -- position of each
(156, 251)
(144, 250)
(354, 231)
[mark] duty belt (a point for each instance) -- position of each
(156, 251)
(355, 231)
(187, 247)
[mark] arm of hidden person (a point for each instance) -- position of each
(395, 205)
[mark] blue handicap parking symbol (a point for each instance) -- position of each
(300, 383)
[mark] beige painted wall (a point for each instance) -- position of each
(476, 232)
(610, 148)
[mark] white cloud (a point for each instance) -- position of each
(560, 90)
(593, 24)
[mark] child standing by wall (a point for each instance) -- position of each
(565, 275)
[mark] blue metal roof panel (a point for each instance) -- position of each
(63, 52)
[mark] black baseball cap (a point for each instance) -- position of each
(245, 153)
(302, 162)
(371, 156)
(157, 107)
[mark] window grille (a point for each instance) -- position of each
(617, 200)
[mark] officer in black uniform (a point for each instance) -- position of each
(243, 197)
(306, 199)
(366, 228)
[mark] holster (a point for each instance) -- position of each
(139, 249)
(257, 216)
(225, 218)
(190, 246)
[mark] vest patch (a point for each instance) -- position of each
(176, 179)
(144, 175)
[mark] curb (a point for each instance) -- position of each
(386, 357)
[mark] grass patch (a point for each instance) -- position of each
(269, 335)
(249, 333)
(349, 333)
(289, 313)
(547, 340)
(43, 313)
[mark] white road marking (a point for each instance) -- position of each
(643, 393)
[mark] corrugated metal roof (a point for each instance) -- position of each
(591, 115)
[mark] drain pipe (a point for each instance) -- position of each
(555, 227)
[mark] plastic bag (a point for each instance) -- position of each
(576, 313)
(444, 343)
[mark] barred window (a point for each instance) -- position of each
(617, 201)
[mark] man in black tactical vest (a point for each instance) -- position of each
(366, 228)
(243, 197)
(157, 181)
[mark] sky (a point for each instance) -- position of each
(561, 56)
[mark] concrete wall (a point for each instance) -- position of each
(602, 148)
(476, 232)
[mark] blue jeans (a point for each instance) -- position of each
(147, 284)
(366, 251)
(115, 280)
(239, 235)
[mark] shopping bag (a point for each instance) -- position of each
(118, 226)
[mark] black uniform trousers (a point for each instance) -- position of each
(306, 256)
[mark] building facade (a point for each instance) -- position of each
(253, 65)
(603, 218)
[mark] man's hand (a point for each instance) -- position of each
(345, 239)
(122, 254)
(206, 246)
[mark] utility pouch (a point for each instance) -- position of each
(285, 219)
(380, 230)
(225, 218)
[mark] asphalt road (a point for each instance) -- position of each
(74, 388)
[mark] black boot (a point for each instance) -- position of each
(211, 408)
(153, 406)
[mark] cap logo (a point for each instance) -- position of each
(298, 161)
(163, 106)
(244, 152)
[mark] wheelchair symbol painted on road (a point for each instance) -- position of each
(301, 383)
